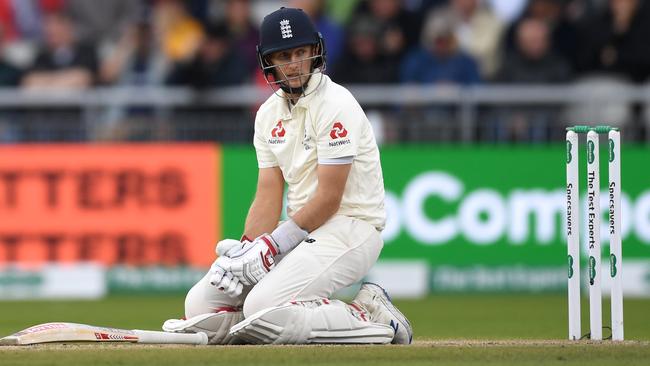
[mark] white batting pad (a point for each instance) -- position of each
(319, 321)
(215, 325)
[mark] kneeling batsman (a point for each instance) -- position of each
(370, 318)
(338, 196)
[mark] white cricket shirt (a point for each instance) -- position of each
(324, 125)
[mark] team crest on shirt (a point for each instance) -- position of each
(339, 135)
(277, 134)
(307, 141)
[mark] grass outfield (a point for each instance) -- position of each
(454, 330)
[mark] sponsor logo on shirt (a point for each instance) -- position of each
(338, 134)
(338, 131)
(277, 134)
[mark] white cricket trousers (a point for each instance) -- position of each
(336, 255)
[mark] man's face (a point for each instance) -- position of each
(58, 31)
(293, 65)
(532, 38)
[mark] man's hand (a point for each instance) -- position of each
(246, 263)
(221, 275)
(254, 260)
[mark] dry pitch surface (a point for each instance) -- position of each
(450, 330)
(422, 352)
(468, 343)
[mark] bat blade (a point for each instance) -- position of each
(74, 332)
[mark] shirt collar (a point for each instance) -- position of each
(317, 80)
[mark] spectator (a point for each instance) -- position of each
(363, 61)
(102, 22)
(61, 62)
(507, 10)
(577, 11)
(439, 60)
(179, 33)
(23, 19)
(616, 41)
(331, 31)
(199, 9)
(135, 59)
(244, 32)
(555, 13)
(215, 64)
(478, 32)
(9, 73)
(533, 60)
(7, 19)
(400, 27)
(9, 77)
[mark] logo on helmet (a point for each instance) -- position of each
(285, 29)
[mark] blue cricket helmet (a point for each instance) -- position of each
(288, 28)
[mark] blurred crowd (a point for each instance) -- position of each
(78, 44)
(211, 43)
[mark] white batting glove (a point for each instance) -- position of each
(228, 246)
(221, 275)
(254, 260)
(223, 278)
(249, 262)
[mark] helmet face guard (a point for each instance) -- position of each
(285, 29)
(278, 80)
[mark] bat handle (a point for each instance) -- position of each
(149, 336)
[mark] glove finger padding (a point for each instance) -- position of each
(235, 288)
(227, 246)
(225, 281)
(219, 269)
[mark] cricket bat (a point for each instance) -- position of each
(73, 332)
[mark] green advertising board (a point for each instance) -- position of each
(483, 218)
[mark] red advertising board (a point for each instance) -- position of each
(114, 204)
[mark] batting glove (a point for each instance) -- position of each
(254, 260)
(221, 275)
(249, 262)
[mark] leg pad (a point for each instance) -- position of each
(215, 325)
(322, 321)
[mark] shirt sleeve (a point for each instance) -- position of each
(338, 130)
(265, 157)
(336, 161)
